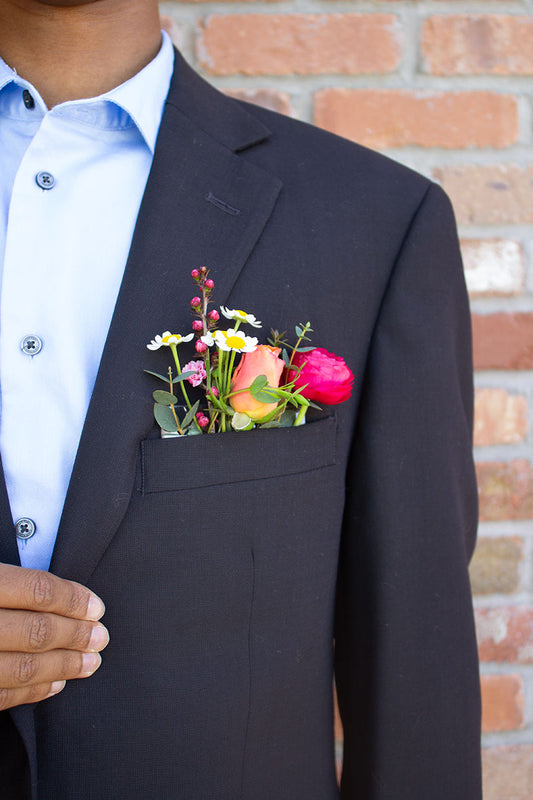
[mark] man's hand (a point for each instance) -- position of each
(49, 634)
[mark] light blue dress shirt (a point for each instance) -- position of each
(71, 183)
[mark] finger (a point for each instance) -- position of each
(37, 632)
(30, 694)
(37, 590)
(19, 670)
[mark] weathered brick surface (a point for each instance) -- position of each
(500, 417)
(395, 118)
(503, 341)
(503, 701)
(493, 266)
(505, 633)
(303, 44)
(495, 567)
(494, 44)
(508, 772)
(495, 194)
(268, 98)
(505, 490)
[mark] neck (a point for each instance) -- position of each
(73, 52)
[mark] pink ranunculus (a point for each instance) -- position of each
(328, 379)
(261, 361)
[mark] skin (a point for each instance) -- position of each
(71, 49)
(68, 49)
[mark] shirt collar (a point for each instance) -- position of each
(142, 97)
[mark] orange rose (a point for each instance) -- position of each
(262, 361)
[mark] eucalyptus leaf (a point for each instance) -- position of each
(287, 419)
(183, 376)
(259, 383)
(157, 375)
(267, 395)
(304, 349)
(165, 418)
(165, 398)
(299, 331)
(273, 423)
(189, 416)
(285, 356)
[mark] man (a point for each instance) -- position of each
(228, 564)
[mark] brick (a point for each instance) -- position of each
(493, 266)
(302, 44)
(396, 118)
(503, 341)
(508, 772)
(500, 417)
(502, 698)
(505, 634)
(494, 195)
(495, 567)
(505, 490)
(493, 44)
(268, 98)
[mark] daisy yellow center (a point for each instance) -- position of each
(240, 313)
(166, 339)
(235, 341)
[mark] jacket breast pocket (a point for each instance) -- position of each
(191, 462)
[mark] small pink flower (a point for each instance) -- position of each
(209, 284)
(197, 325)
(200, 347)
(196, 302)
(195, 274)
(198, 368)
(214, 315)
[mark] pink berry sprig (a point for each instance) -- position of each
(199, 304)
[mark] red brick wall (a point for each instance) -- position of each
(446, 87)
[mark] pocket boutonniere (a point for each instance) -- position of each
(243, 383)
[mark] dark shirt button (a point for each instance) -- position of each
(45, 180)
(24, 528)
(29, 102)
(31, 345)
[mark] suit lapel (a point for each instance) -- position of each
(203, 204)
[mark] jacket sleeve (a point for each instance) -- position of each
(405, 652)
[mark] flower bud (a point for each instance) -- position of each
(197, 325)
(203, 270)
(203, 421)
(214, 316)
(195, 274)
(215, 391)
(200, 347)
(209, 284)
(196, 302)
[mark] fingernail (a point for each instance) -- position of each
(56, 687)
(99, 638)
(90, 663)
(96, 608)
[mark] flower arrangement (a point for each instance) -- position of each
(243, 383)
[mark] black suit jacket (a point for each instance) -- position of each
(230, 563)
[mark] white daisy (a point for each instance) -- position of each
(235, 340)
(167, 338)
(240, 316)
(208, 339)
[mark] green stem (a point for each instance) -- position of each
(174, 349)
